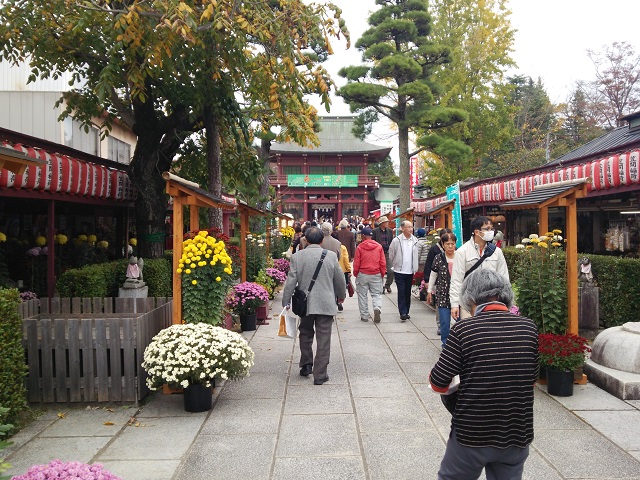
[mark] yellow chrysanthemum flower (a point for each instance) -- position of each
(133, 242)
(535, 240)
(3, 237)
(194, 282)
(218, 279)
(82, 237)
(557, 232)
(556, 244)
(92, 238)
(187, 271)
(179, 270)
(543, 245)
(549, 234)
(529, 247)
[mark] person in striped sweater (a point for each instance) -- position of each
(495, 354)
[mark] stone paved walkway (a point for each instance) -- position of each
(376, 418)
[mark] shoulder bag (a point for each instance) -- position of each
(299, 298)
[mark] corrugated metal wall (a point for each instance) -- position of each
(31, 113)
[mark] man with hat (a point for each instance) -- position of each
(384, 236)
(369, 267)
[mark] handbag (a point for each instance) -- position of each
(350, 288)
(299, 298)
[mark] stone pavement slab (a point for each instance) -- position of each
(228, 457)
(318, 436)
(343, 468)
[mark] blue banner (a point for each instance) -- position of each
(453, 193)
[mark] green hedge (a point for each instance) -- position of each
(13, 368)
(618, 279)
(104, 279)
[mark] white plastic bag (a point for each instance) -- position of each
(291, 324)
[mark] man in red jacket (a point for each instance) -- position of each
(369, 268)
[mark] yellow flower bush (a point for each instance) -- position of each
(540, 277)
(61, 239)
(288, 232)
(207, 272)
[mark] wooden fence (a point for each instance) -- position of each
(90, 349)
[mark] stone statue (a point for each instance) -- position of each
(134, 273)
(585, 275)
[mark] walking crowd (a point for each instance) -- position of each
(489, 359)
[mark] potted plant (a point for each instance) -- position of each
(206, 270)
(191, 356)
(244, 299)
(57, 469)
(561, 355)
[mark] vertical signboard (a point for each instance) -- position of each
(453, 193)
(413, 175)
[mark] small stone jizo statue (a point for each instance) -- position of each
(134, 273)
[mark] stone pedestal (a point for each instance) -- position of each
(142, 292)
(588, 307)
(615, 361)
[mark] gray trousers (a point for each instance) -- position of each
(322, 325)
(366, 283)
(466, 463)
(389, 280)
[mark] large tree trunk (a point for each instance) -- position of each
(145, 172)
(212, 133)
(265, 150)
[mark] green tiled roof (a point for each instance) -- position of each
(335, 137)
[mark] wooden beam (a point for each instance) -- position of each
(194, 218)
(543, 220)
(244, 230)
(177, 254)
(572, 264)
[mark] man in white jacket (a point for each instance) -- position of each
(403, 256)
(469, 255)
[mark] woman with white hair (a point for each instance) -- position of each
(495, 353)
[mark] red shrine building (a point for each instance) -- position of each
(328, 181)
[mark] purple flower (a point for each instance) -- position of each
(246, 297)
(282, 264)
(279, 276)
(67, 470)
(514, 310)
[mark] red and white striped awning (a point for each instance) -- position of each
(68, 175)
(605, 173)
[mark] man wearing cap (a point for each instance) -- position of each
(369, 267)
(423, 248)
(383, 235)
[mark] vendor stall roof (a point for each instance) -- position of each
(545, 195)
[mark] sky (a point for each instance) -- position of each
(551, 41)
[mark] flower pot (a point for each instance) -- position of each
(262, 311)
(248, 322)
(197, 398)
(559, 382)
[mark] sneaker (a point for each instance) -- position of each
(376, 316)
(438, 330)
(340, 308)
(403, 318)
(364, 319)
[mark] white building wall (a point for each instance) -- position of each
(30, 108)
